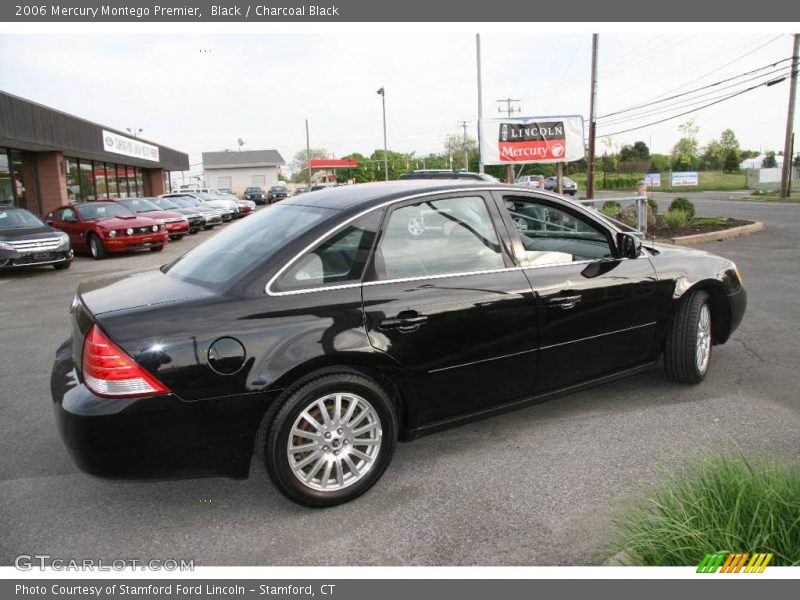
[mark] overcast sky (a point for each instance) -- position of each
(201, 92)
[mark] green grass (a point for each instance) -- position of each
(717, 505)
(674, 220)
(708, 221)
(709, 181)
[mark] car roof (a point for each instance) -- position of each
(367, 195)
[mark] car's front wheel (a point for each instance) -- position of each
(687, 350)
(330, 440)
(96, 248)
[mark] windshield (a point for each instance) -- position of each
(139, 204)
(166, 203)
(102, 210)
(231, 252)
(207, 196)
(279, 188)
(17, 219)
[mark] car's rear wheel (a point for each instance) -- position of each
(96, 248)
(330, 440)
(687, 351)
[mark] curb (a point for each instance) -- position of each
(724, 234)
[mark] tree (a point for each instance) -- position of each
(301, 158)
(713, 155)
(684, 153)
(456, 144)
(728, 141)
(731, 162)
(796, 161)
(769, 161)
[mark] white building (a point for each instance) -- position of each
(239, 170)
(757, 162)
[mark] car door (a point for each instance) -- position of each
(597, 311)
(66, 220)
(444, 299)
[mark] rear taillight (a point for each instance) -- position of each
(109, 371)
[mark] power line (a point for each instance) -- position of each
(730, 96)
(688, 101)
(710, 85)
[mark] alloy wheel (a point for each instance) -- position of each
(703, 344)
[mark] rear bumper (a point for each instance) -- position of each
(158, 437)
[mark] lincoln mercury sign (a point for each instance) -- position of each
(533, 140)
(119, 144)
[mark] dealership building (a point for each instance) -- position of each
(49, 158)
(237, 170)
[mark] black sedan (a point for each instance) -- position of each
(277, 193)
(374, 313)
(26, 241)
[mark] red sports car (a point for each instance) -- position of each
(103, 227)
(177, 224)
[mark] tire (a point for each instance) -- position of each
(687, 350)
(157, 248)
(96, 248)
(176, 238)
(63, 266)
(208, 227)
(331, 463)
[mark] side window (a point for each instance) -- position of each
(438, 237)
(68, 215)
(338, 260)
(551, 235)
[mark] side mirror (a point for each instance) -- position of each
(49, 222)
(630, 246)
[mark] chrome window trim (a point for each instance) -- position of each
(342, 225)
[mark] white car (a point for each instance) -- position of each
(531, 181)
(228, 209)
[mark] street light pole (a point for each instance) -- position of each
(382, 93)
(308, 156)
(592, 122)
(480, 99)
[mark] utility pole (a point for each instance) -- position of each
(786, 175)
(382, 93)
(464, 124)
(510, 109)
(480, 99)
(592, 121)
(308, 156)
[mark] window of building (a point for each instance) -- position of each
(133, 190)
(100, 181)
(438, 237)
(111, 180)
(6, 188)
(258, 180)
(122, 182)
(140, 183)
(86, 181)
(224, 182)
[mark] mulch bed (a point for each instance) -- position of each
(664, 232)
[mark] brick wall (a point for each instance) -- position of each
(153, 182)
(52, 186)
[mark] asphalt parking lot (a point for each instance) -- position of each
(535, 487)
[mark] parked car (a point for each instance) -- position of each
(100, 228)
(195, 216)
(228, 191)
(227, 209)
(300, 190)
(532, 181)
(245, 206)
(212, 216)
(277, 193)
(567, 184)
(314, 335)
(447, 174)
(256, 194)
(177, 225)
(322, 186)
(26, 241)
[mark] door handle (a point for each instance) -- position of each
(406, 321)
(565, 302)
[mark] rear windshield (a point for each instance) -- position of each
(166, 203)
(102, 211)
(233, 251)
(279, 188)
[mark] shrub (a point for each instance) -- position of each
(717, 505)
(683, 204)
(611, 205)
(653, 206)
(674, 220)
